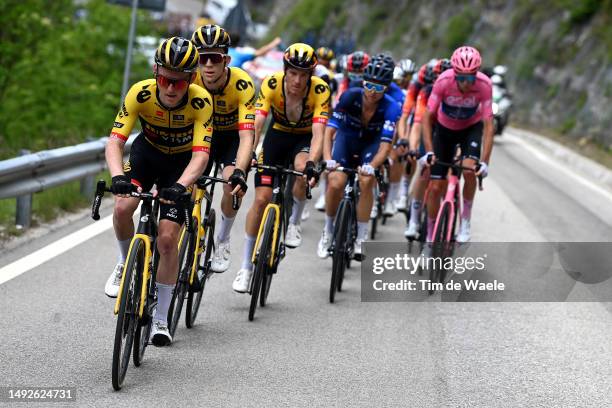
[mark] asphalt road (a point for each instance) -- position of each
(301, 351)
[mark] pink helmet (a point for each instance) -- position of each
(466, 60)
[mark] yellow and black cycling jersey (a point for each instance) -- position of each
(185, 127)
(234, 104)
(315, 106)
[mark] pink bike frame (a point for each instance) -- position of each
(451, 190)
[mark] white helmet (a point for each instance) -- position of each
(500, 70)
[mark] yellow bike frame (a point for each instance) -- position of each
(269, 207)
(145, 276)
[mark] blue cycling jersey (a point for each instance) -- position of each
(347, 116)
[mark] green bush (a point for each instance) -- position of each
(459, 28)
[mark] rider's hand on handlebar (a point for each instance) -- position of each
(122, 186)
(402, 147)
(171, 195)
(311, 173)
(428, 159)
(238, 182)
(330, 164)
(253, 158)
(367, 170)
(482, 169)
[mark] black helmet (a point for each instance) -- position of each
(211, 36)
(177, 54)
(379, 70)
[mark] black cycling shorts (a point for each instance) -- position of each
(445, 140)
(147, 166)
(279, 148)
(223, 149)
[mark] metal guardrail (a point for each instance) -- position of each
(31, 173)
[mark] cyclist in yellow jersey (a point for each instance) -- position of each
(299, 103)
(171, 151)
(234, 97)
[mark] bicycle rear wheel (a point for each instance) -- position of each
(203, 264)
(185, 259)
(439, 245)
(263, 259)
(127, 318)
(339, 255)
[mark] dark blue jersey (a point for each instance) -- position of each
(348, 112)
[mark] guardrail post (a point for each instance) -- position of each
(87, 182)
(23, 213)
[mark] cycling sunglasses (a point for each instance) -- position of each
(374, 87)
(214, 57)
(165, 82)
(471, 78)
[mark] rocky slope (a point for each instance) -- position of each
(559, 52)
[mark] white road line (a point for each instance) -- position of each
(44, 254)
(543, 158)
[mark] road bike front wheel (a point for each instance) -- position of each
(194, 299)
(437, 274)
(185, 259)
(339, 254)
(263, 259)
(127, 318)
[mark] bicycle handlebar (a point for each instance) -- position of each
(283, 170)
(201, 182)
(460, 167)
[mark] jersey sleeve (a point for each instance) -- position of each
(487, 101)
(262, 106)
(392, 114)
(421, 105)
(203, 126)
(321, 103)
(246, 105)
(410, 99)
(125, 119)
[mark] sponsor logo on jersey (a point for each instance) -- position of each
(118, 125)
(143, 96)
(123, 113)
(220, 103)
(159, 113)
(249, 116)
(272, 83)
(466, 102)
(178, 117)
(320, 88)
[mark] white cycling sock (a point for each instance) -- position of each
(404, 185)
(249, 243)
(225, 228)
(296, 211)
(124, 247)
(329, 224)
(393, 191)
(323, 185)
(362, 230)
(415, 211)
(164, 297)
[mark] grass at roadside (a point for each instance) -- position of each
(46, 206)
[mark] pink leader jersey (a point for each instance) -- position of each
(456, 110)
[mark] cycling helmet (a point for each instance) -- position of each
(398, 74)
(407, 66)
(300, 56)
(386, 57)
(466, 60)
(177, 54)
(497, 80)
(500, 70)
(325, 53)
(430, 74)
(211, 36)
(379, 70)
(357, 61)
(442, 66)
(421, 74)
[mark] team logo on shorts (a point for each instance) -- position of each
(127, 167)
(266, 180)
(173, 213)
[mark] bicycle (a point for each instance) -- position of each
(345, 231)
(269, 247)
(381, 192)
(136, 299)
(196, 239)
(446, 219)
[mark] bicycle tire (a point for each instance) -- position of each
(339, 242)
(351, 234)
(143, 332)
(127, 318)
(263, 258)
(194, 299)
(185, 259)
(438, 244)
